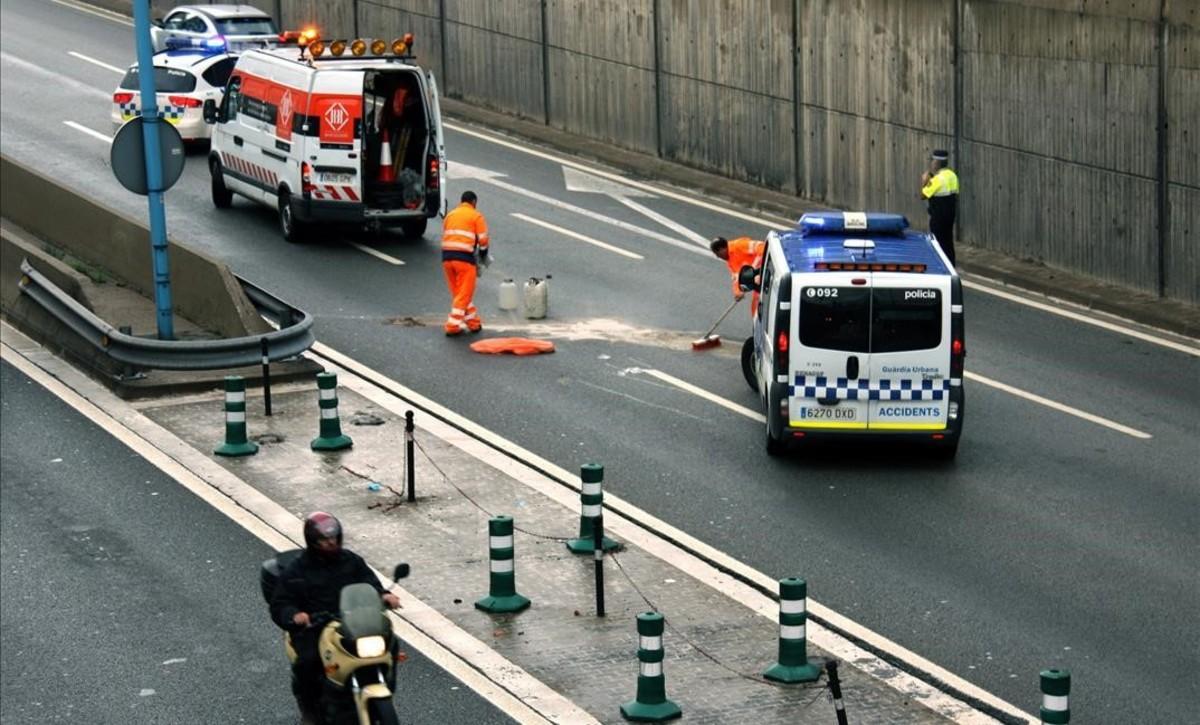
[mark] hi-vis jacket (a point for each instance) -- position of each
(463, 229)
(942, 193)
(744, 251)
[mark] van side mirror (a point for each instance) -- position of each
(748, 278)
(210, 111)
(158, 22)
(401, 571)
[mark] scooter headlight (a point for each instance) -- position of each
(372, 646)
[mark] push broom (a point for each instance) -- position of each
(710, 340)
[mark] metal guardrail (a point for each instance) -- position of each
(293, 337)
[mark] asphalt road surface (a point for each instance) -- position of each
(1052, 540)
(128, 599)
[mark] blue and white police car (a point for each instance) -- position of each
(859, 333)
(237, 27)
(185, 75)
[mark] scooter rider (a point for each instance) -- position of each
(313, 583)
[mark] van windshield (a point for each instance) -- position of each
(166, 80)
(858, 319)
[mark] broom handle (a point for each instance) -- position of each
(723, 316)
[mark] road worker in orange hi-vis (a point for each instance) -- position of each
(464, 245)
(739, 253)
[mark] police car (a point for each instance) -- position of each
(859, 334)
(233, 26)
(185, 76)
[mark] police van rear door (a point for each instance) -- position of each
(910, 351)
(832, 357)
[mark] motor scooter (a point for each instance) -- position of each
(357, 648)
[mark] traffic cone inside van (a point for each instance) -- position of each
(387, 174)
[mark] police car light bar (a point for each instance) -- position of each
(867, 267)
(212, 44)
(872, 223)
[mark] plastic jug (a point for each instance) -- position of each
(537, 298)
(508, 295)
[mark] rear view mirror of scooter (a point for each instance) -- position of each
(401, 571)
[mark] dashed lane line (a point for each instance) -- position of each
(94, 61)
(84, 129)
(378, 254)
(576, 235)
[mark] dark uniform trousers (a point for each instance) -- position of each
(942, 213)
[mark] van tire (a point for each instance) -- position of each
(222, 198)
(946, 452)
(748, 364)
(415, 228)
(291, 229)
(775, 447)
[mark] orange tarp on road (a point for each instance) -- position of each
(513, 345)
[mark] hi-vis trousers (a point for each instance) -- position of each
(460, 278)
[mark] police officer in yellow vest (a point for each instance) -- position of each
(939, 187)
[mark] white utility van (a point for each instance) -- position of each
(859, 334)
(341, 131)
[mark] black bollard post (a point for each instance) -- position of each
(408, 454)
(598, 549)
(266, 363)
(835, 689)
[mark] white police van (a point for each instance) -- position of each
(859, 333)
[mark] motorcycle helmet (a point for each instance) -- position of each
(320, 527)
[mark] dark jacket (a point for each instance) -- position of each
(313, 584)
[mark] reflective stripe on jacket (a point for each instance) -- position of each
(463, 230)
(744, 251)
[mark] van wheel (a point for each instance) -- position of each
(414, 229)
(292, 230)
(946, 452)
(748, 364)
(222, 198)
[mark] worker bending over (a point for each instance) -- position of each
(739, 253)
(464, 244)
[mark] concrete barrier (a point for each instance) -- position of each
(202, 289)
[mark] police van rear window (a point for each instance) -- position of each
(245, 26)
(166, 80)
(864, 320)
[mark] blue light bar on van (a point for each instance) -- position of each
(850, 222)
(211, 44)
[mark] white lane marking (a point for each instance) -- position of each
(496, 679)
(93, 61)
(772, 222)
(701, 393)
(1057, 309)
(754, 415)
(1057, 406)
(378, 254)
(98, 12)
(58, 78)
(461, 171)
(666, 221)
(84, 129)
(480, 441)
(584, 182)
(577, 235)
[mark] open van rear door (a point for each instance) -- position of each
(439, 137)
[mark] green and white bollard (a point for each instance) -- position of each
(235, 443)
(591, 499)
(793, 664)
(331, 438)
(651, 704)
(1056, 689)
(502, 579)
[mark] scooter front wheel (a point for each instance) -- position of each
(381, 712)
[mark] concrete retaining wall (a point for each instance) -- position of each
(1073, 123)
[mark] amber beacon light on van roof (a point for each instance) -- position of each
(314, 46)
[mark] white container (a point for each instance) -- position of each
(508, 295)
(537, 298)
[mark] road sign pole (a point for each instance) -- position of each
(154, 170)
